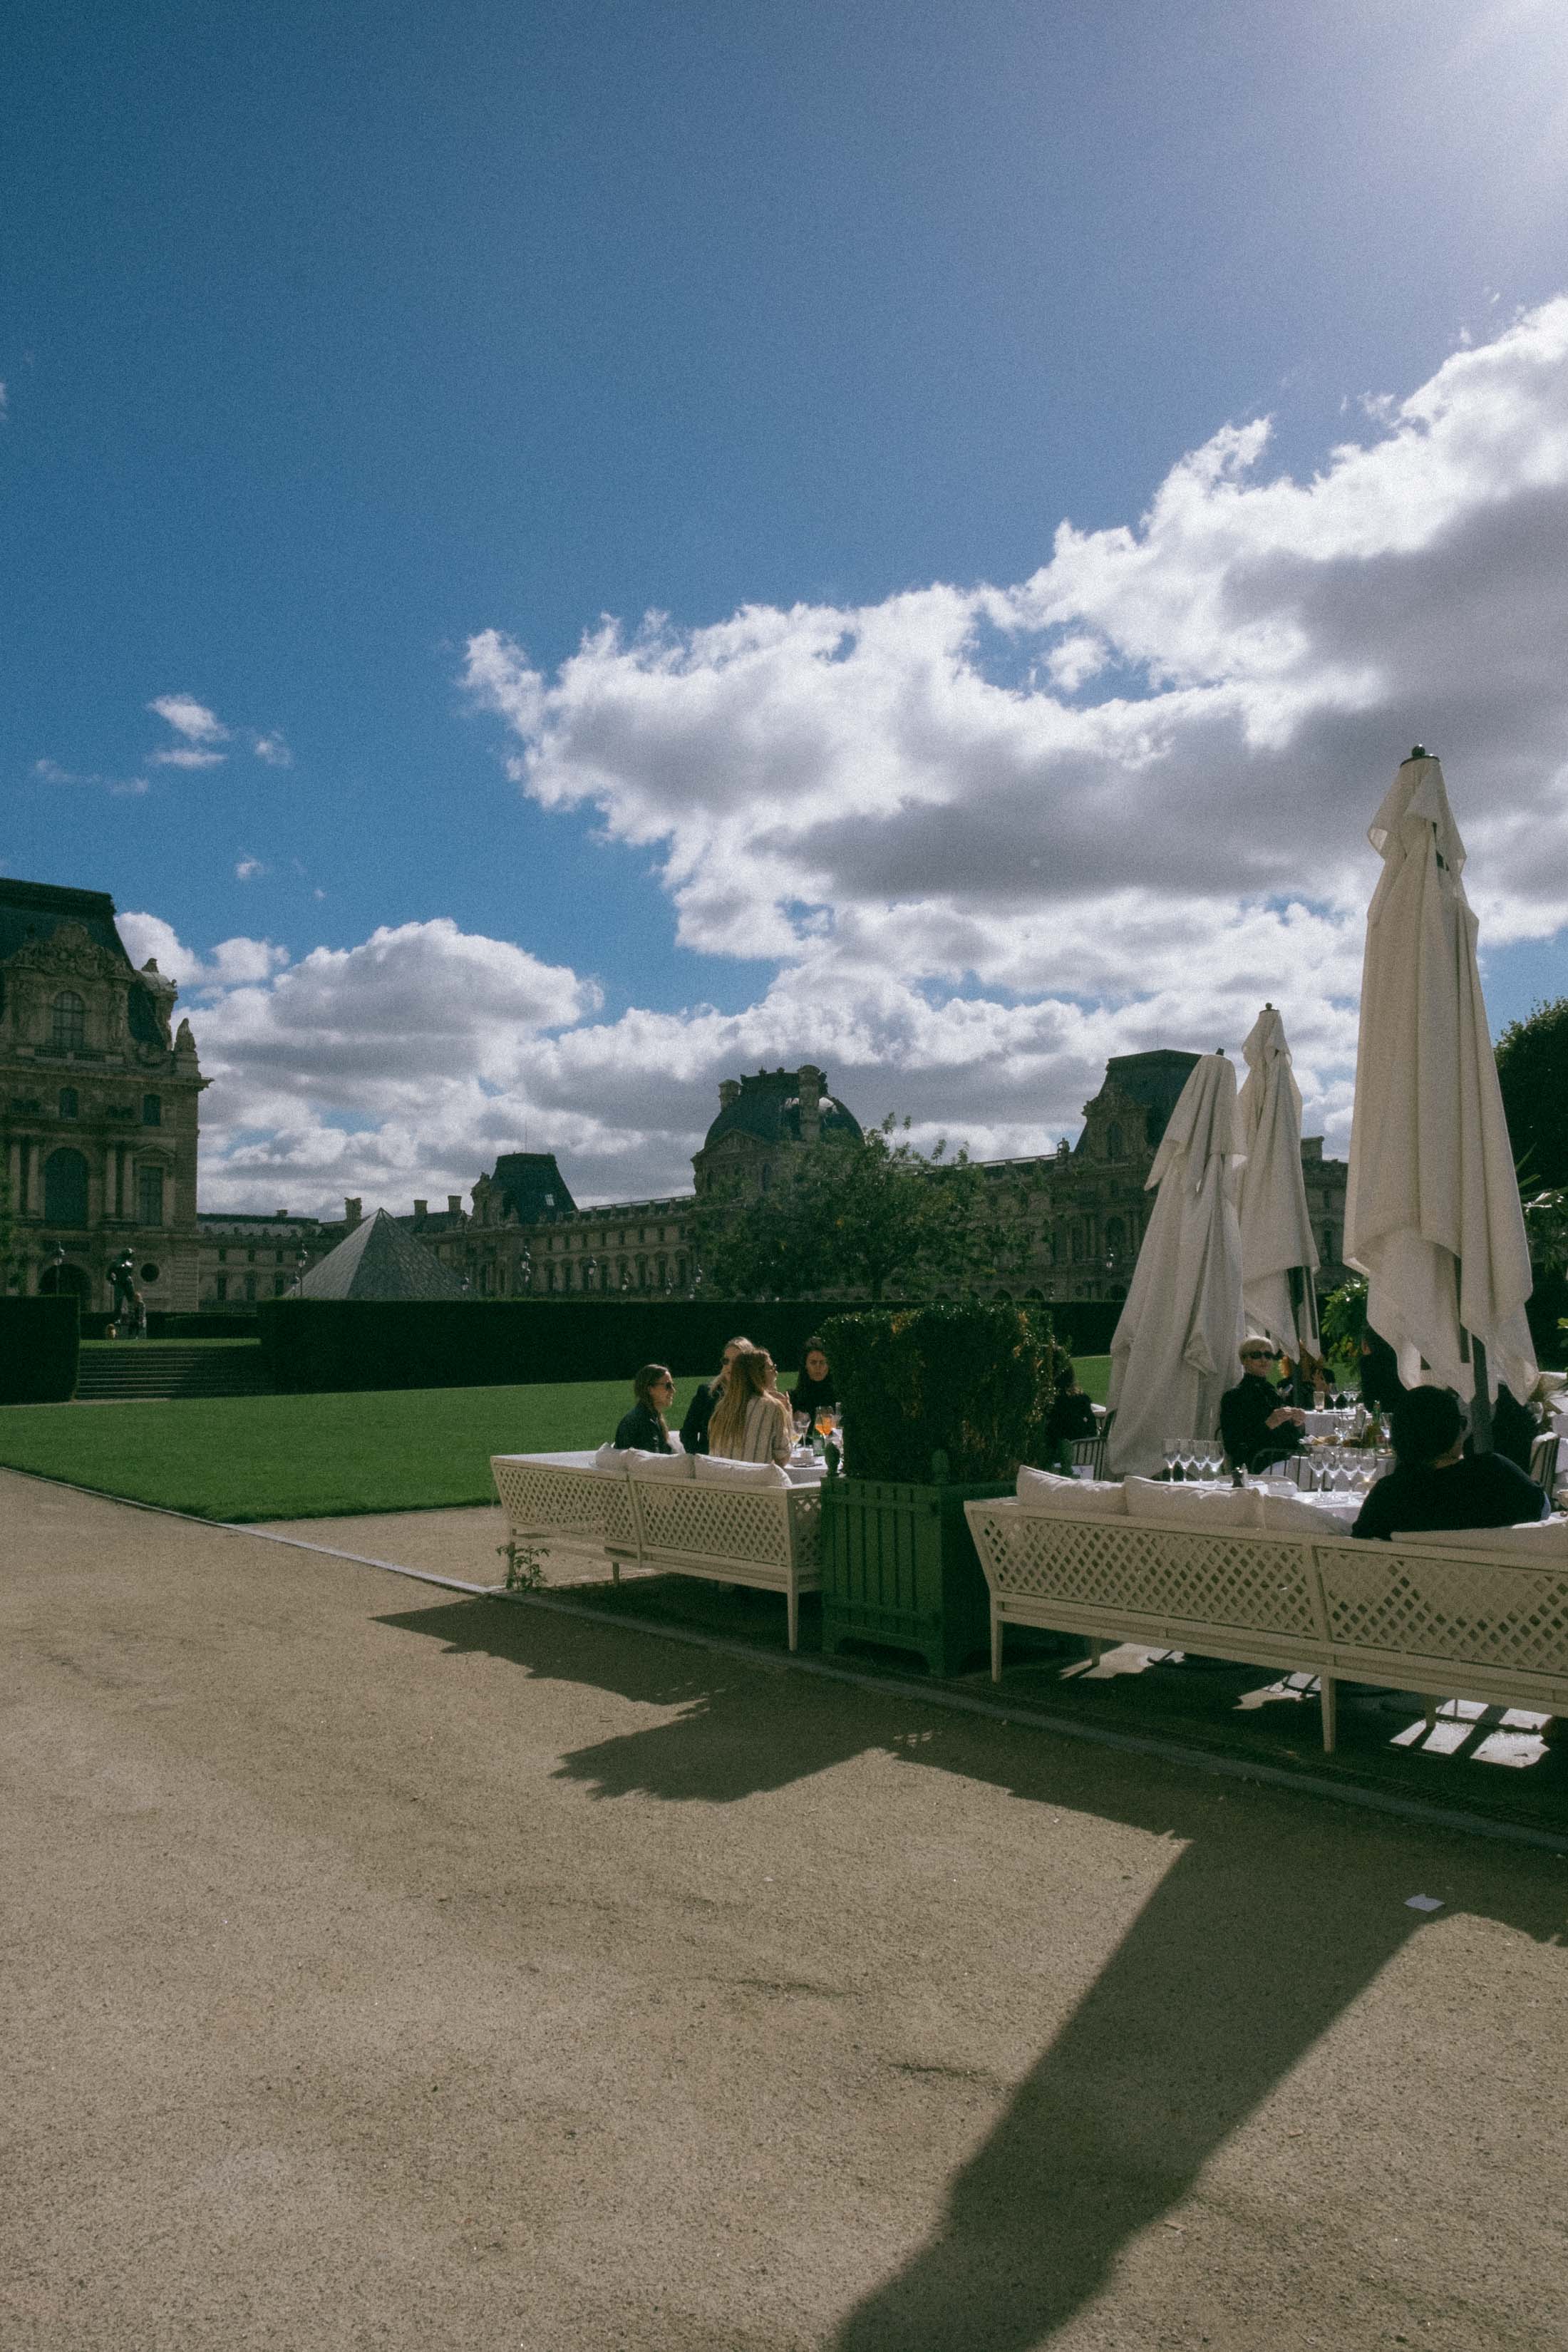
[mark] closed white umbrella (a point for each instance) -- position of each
(1174, 1352)
(1276, 1231)
(1432, 1209)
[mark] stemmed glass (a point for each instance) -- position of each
(1173, 1451)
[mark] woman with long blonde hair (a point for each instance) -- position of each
(751, 1421)
(700, 1412)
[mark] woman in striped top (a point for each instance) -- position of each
(750, 1420)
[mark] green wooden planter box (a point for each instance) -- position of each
(899, 1566)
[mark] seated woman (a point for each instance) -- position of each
(700, 1412)
(814, 1387)
(1434, 1484)
(1070, 1419)
(751, 1421)
(645, 1426)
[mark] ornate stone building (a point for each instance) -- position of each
(1077, 1214)
(98, 1104)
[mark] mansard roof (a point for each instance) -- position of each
(532, 1186)
(40, 908)
(768, 1107)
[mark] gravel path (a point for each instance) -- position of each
(387, 1969)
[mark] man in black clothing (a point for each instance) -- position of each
(1255, 1426)
(1434, 1484)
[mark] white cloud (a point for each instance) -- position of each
(189, 718)
(1231, 683)
(248, 868)
(49, 771)
(989, 834)
(186, 755)
(273, 750)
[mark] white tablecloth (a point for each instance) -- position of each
(1344, 1510)
(1330, 1423)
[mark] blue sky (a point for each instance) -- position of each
(340, 340)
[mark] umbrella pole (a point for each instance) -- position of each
(1481, 1403)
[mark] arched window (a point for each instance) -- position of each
(150, 1207)
(69, 1033)
(1113, 1141)
(1078, 1245)
(65, 1188)
(69, 1105)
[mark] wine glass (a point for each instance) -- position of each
(1172, 1453)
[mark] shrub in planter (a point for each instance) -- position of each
(972, 1383)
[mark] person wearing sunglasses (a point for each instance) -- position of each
(1257, 1427)
(645, 1426)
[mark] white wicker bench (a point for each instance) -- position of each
(1445, 1619)
(765, 1537)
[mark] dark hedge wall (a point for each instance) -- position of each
(39, 1341)
(317, 1344)
(1084, 1326)
(973, 1383)
(349, 1343)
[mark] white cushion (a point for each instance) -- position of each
(1292, 1516)
(614, 1460)
(1541, 1540)
(1071, 1498)
(713, 1470)
(806, 1473)
(1190, 1504)
(657, 1466)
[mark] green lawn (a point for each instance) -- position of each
(303, 1457)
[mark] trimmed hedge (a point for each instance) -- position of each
(1084, 1326)
(329, 1344)
(40, 1340)
(972, 1383)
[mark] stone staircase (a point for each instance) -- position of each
(163, 1368)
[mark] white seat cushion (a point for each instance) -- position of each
(1541, 1540)
(657, 1466)
(1069, 1498)
(713, 1470)
(615, 1460)
(1291, 1515)
(1192, 1503)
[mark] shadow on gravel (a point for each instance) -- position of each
(1259, 1936)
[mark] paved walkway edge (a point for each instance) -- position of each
(1128, 1743)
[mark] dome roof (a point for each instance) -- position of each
(768, 1107)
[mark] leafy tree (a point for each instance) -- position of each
(1532, 1066)
(848, 1217)
(1342, 1321)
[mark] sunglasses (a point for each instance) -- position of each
(1257, 1355)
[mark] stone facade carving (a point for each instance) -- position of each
(98, 1108)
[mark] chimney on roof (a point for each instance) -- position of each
(812, 1082)
(454, 1204)
(729, 1092)
(354, 1211)
(421, 1208)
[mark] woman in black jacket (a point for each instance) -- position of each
(1070, 1420)
(814, 1387)
(645, 1426)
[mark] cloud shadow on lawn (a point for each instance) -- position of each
(1275, 1917)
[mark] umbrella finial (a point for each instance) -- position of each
(1417, 751)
